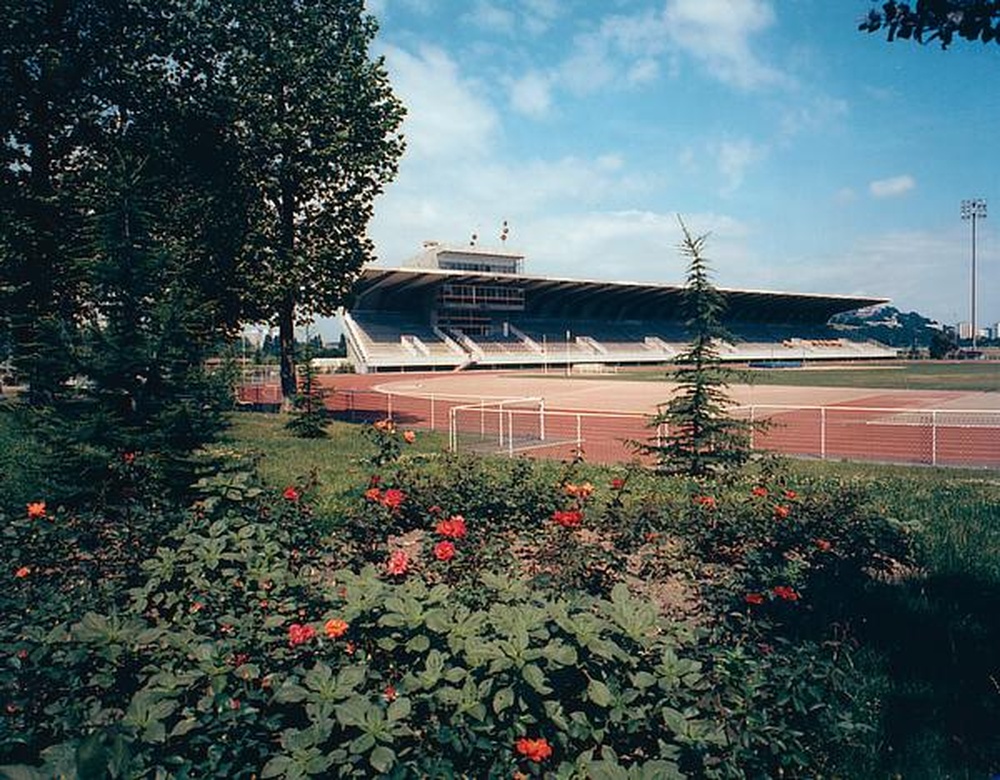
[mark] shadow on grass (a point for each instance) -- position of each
(941, 641)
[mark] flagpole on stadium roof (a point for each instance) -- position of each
(974, 209)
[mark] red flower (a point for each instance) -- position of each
(299, 634)
(350, 647)
(435, 510)
(791, 494)
(444, 551)
(759, 492)
(392, 498)
(785, 592)
(754, 598)
(23, 572)
(706, 501)
(399, 563)
(453, 527)
(239, 659)
(290, 494)
(781, 511)
(128, 458)
(335, 628)
(36, 510)
(389, 694)
(409, 437)
(570, 518)
(823, 545)
(373, 494)
(617, 483)
(536, 750)
(196, 606)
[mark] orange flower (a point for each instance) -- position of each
(392, 498)
(759, 492)
(453, 527)
(373, 494)
(290, 494)
(823, 545)
(791, 494)
(23, 572)
(754, 598)
(299, 634)
(335, 628)
(536, 750)
(444, 551)
(570, 518)
(36, 510)
(706, 501)
(409, 437)
(578, 491)
(781, 511)
(398, 563)
(386, 425)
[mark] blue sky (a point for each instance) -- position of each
(819, 158)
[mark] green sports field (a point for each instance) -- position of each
(903, 375)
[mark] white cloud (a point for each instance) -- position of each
(845, 195)
(816, 113)
(892, 187)
(718, 33)
(491, 17)
(644, 71)
(446, 115)
(733, 158)
(531, 95)
(540, 14)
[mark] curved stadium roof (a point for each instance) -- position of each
(415, 290)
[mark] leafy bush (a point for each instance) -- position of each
(492, 633)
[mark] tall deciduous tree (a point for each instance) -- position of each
(318, 125)
(57, 60)
(940, 20)
(701, 437)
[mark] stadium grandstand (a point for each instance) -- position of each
(452, 308)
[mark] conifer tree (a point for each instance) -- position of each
(701, 437)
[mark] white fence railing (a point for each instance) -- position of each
(512, 426)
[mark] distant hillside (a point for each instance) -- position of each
(889, 325)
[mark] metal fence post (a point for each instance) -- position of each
(751, 427)
(934, 437)
(541, 420)
(822, 432)
(432, 411)
(510, 433)
(388, 404)
(579, 432)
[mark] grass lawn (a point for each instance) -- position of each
(902, 375)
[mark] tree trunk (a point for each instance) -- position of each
(286, 341)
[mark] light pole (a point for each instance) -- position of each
(974, 209)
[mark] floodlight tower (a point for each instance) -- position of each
(974, 209)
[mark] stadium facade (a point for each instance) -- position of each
(452, 308)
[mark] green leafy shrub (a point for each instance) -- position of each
(247, 645)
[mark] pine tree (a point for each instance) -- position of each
(701, 437)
